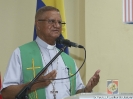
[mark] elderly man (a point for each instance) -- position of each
(28, 59)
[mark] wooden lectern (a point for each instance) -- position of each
(101, 96)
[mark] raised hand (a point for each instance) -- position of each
(92, 82)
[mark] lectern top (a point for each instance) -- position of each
(101, 96)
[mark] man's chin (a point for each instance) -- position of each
(56, 35)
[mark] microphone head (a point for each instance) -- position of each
(63, 41)
(67, 42)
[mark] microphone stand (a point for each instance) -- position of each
(23, 94)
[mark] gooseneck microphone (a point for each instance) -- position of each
(67, 42)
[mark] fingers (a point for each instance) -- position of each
(95, 78)
(51, 75)
(93, 81)
(48, 76)
(45, 79)
(44, 72)
(97, 72)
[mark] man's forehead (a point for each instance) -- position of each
(51, 14)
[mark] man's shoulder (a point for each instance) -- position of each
(27, 44)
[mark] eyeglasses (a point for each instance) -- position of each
(51, 21)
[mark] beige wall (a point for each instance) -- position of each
(96, 24)
(75, 17)
(109, 43)
(16, 27)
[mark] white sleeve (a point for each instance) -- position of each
(13, 75)
(79, 82)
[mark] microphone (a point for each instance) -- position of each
(67, 43)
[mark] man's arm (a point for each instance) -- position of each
(83, 91)
(91, 83)
(11, 91)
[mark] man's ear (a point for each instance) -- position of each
(37, 25)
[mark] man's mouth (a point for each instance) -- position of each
(55, 30)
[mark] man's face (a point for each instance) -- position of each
(49, 25)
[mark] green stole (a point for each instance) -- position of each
(32, 65)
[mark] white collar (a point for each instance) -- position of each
(43, 44)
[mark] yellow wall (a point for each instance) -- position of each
(96, 24)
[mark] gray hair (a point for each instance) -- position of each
(44, 9)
